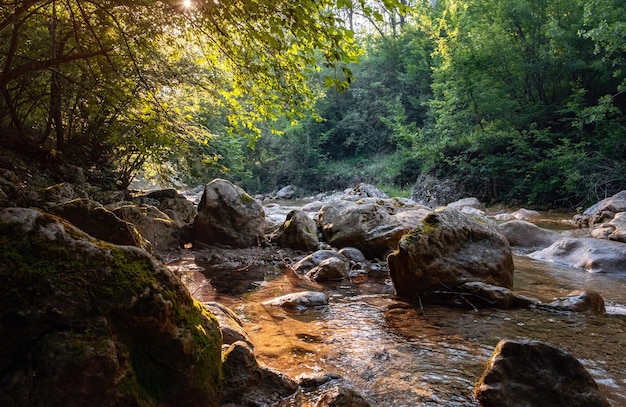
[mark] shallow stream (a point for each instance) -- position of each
(398, 354)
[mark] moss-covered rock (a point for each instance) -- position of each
(83, 321)
(91, 217)
(448, 249)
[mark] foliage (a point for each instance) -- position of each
(118, 81)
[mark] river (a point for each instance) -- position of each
(399, 354)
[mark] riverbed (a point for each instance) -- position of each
(400, 354)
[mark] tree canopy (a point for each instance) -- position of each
(124, 81)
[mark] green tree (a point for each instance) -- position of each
(102, 76)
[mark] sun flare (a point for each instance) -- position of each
(187, 3)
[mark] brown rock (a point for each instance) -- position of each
(448, 249)
(535, 374)
(228, 215)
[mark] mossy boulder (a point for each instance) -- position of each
(85, 322)
(450, 248)
(227, 215)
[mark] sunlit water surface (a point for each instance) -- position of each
(396, 354)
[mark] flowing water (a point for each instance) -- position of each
(398, 354)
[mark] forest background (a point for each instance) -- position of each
(515, 100)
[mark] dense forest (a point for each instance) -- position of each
(514, 100)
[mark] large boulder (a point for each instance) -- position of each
(94, 219)
(83, 321)
(603, 210)
(372, 225)
(298, 232)
(525, 234)
(228, 215)
(535, 374)
(592, 255)
(448, 249)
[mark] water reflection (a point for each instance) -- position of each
(400, 354)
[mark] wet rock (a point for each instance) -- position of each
(84, 320)
(495, 296)
(227, 215)
(298, 232)
(302, 299)
(340, 396)
(592, 255)
(248, 383)
(230, 324)
(370, 225)
(314, 259)
(580, 301)
(92, 218)
(330, 269)
(354, 255)
(536, 374)
(525, 234)
(154, 225)
(448, 249)
(603, 210)
(307, 380)
(613, 230)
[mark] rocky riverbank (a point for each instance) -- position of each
(457, 255)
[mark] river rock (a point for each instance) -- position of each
(434, 192)
(580, 301)
(301, 299)
(369, 224)
(494, 296)
(314, 259)
(230, 324)
(341, 396)
(94, 219)
(313, 207)
(467, 203)
(603, 210)
(298, 232)
(228, 215)
(83, 321)
(535, 374)
(154, 225)
(363, 190)
(331, 269)
(592, 255)
(613, 230)
(180, 209)
(354, 255)
(287, 192)
(525, 234)
(248, 383)
(448, 249)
